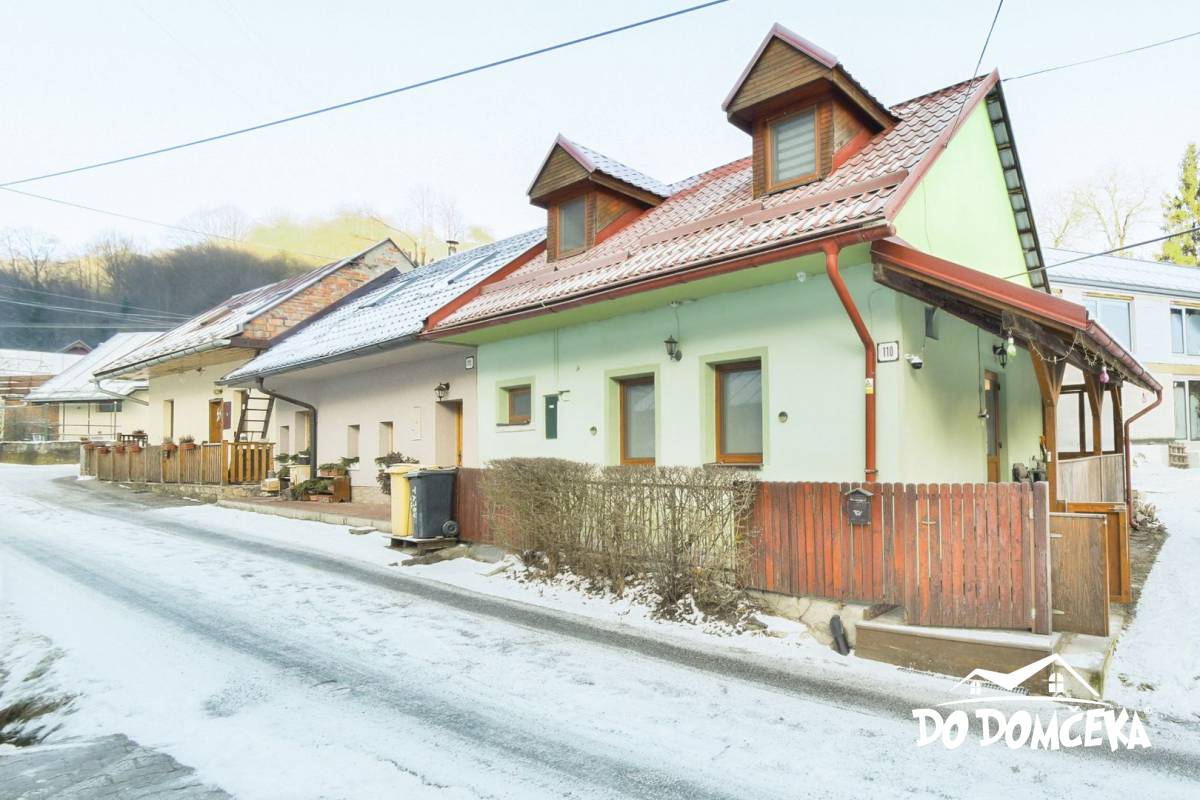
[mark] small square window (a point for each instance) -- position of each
(519, 404)
(571, 228)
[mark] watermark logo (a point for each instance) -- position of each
(1071, 721)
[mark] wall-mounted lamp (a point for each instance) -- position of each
(1005, 351)
(673, 351)
(441, 390)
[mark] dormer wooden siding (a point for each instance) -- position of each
(613, 195)
(790, 76)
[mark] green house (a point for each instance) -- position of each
(861, 297)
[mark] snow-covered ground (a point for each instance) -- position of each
(200, 631)
(1157, 661)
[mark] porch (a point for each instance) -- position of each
(208, 464)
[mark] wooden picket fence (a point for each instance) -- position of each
(959, 555)
(213, 464)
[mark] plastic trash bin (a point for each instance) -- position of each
(401, 499)
(432, 503)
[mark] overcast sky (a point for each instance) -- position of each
(86, 81)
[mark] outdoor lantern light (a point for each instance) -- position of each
(673, 351)
(441, 390)
(1000, 351)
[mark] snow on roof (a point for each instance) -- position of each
(596, 161)
(77, 384)
(35, 362)
(1114, 272)
(392, 313)
(214, 327)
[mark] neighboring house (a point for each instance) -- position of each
(89, 408)
(184, 364)
(371, 387)
(837, 305)
(1153, 309)
(78, 347)
(22, 371)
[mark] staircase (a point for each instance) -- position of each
(255, 418)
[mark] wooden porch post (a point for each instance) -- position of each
(1049, 377)
(1118, 411)
(1095, 396)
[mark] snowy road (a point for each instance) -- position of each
(278, 671)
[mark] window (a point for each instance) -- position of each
(792, 147)
(386, 437)
(352, 432)
(1187, 409)
(168, 419)
(571, 228)
(637, 420)
(1113, 314)
(285, 438)
(519, 402)
(739, 413)
(1185, 331)
(113, 407)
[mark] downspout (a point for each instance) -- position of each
(312, 411)
(1158, 395)
(835, 277)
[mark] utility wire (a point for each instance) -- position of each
(975, 72)
(85, 299)
(378, 95)
(76, 309)
(118, 326)
(1105, 252)
(1044, 70)
(167, 225)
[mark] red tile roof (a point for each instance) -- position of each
(716, 217)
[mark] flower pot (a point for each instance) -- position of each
(103, 451)
(89, 446)
(169, 448)
(188, 446)
(133, 448)
(119, 449)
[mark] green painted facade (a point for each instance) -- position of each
(928, 420)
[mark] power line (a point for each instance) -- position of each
(118, 326)
(78, 310)
(93, 301)
(378, 95)
(1105, 252)
(975, 72)
(167, 225)
(1044, 70)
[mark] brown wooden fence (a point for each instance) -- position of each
(961, 555)
(212, 464)
(956, 555)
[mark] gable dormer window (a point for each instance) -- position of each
(792, 148)
(572, 225)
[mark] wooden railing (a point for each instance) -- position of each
(214, 464)
(1092, 479)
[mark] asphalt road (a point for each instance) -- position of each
(341, 679)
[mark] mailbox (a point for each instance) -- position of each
(858, 506)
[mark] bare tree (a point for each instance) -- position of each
(113, 256)
(223, 223)
(1114, 205)
(29, 254)
(422, 217)
(451, 223)
(1065, 220)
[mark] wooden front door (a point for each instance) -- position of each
(215, 420)
(458, 434)
(991, 404)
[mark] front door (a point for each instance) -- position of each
(215, 420)
(458, 433)
(991, 404)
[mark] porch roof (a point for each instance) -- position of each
(1056, 328)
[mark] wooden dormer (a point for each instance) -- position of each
(588, 197)
(806, 114)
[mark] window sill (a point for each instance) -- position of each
(745, 465)
(514, 427)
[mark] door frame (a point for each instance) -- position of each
(993, 461)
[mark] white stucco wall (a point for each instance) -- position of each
(395, 386)
(77, 420)
(191, 392)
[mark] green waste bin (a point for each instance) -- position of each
(432, 503)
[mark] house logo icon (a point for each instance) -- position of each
(1047, 721)
(1009, 681)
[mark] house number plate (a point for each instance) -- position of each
(887, 351)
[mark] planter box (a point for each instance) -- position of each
(188, 446)
(167, 449)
